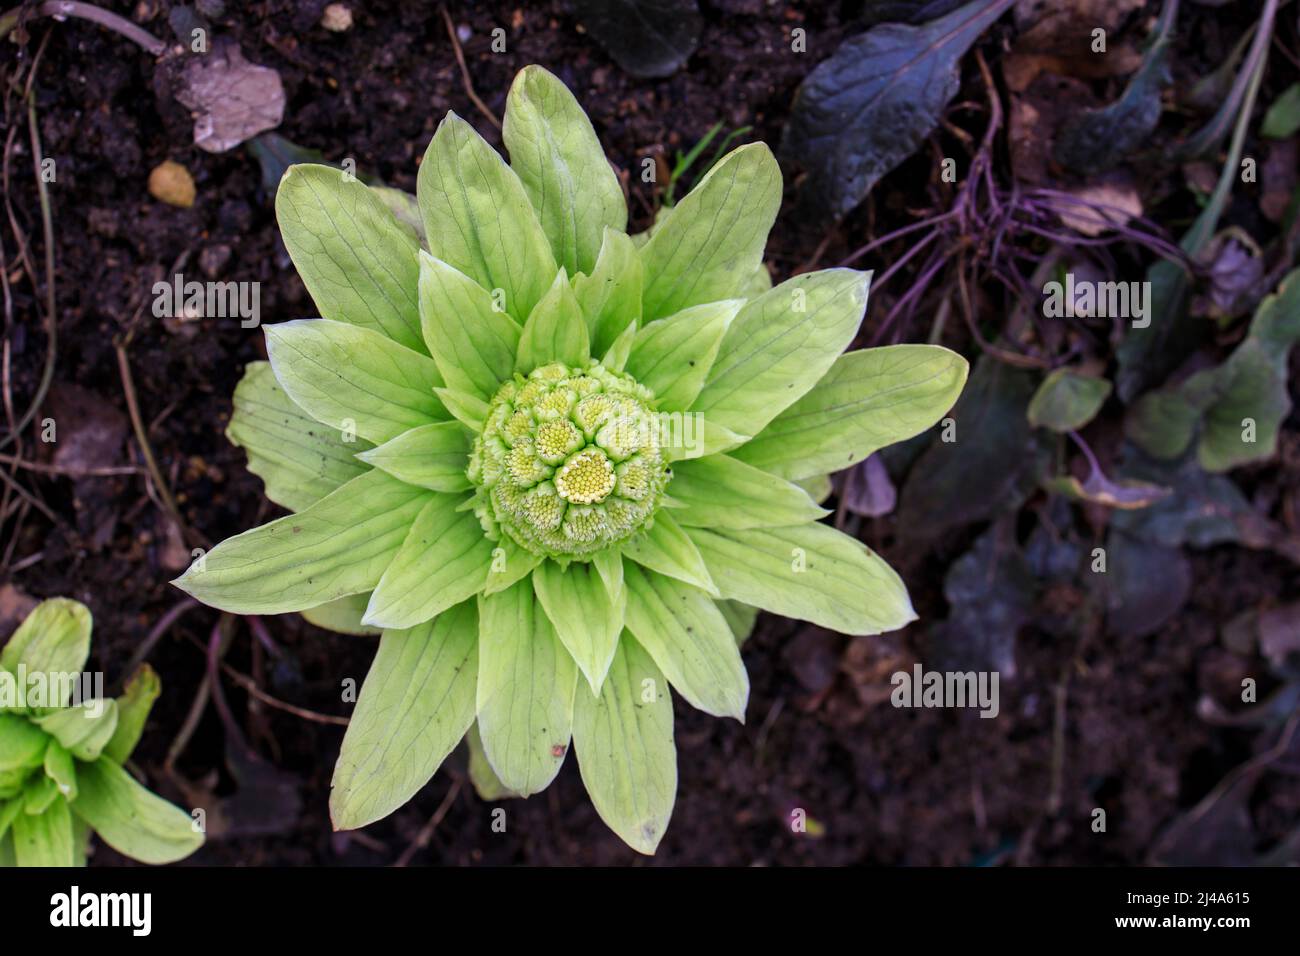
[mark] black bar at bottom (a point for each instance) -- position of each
(338, 906)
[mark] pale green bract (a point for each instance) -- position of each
(485, 435)
(61, 773)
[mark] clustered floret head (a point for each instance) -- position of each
(568, 462)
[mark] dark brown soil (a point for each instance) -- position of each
(878, 784)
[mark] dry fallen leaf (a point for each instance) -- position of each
(1108, 14)
(1057, 37)
(232, 100)
(1035, 115)
(1234, 266)
(1101, 206)
(1020, 69)
(89, 431)
(870, 665)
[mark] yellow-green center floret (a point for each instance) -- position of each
(568, 462)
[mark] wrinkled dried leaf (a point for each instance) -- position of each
(1235, 268)
(89, 430)
(1102, 206)
(1056, 37)
(1126, 493)
(1033, 118)
(232, 100)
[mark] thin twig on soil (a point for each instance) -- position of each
(104, 471)
(250, 685)
(464, 70)
(35, 502)
(47, 227)
(192, 718)
(18, 531)
(146, 450)
(259, 629)
(816, 257)
(161, 627)
(218, 642)
(1060, 697)
(24, 253)
(858, 253)
(426, 833)
(254, 690)
(24, 563)
(968, 314)
(85, 11)
(760, 740)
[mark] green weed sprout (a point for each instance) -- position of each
(61, 755)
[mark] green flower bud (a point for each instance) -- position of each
(568, 462)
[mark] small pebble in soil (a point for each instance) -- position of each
(337, 18)
(170, 182)
(214, 259)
